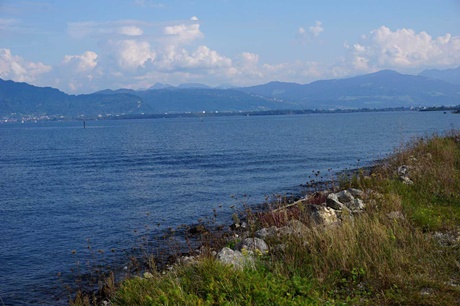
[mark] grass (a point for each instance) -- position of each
(370, 259)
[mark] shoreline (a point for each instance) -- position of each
(386, 242)
(188, 240)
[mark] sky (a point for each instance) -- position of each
(84, 46)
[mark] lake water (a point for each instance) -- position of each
(61, 185)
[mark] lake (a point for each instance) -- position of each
(64, 188)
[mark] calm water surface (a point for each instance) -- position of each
(61, 185)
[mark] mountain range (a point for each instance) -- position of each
(381, 89)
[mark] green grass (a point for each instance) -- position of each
(373, 259)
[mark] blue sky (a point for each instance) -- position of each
(85, 46)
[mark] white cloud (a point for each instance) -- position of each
(16, 68)
(313, 31)
(202, 58)
(132, 54)
(82, 63)
(405, 49)
(316, 29)
(183, 33)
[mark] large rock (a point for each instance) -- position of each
(355, 204)
(325, 216)
(252, 246)
(293, 228)
(344, 196)
(357, 193)
(333, 202)
(234, 258)
(267, 233)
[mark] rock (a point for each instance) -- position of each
(333, 202)
(406, 180)
(265, 233)
(293, 227)
(355, 204)
(447, 239)
(403, 170)
(148, 275)
(325, 216)
(253, 245)
(357, 193)
(235, 258)
(344, 196)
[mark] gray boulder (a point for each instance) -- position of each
(234, 258)
(333, 202)
(265, 233)
(344, 196)
(252, 245)
(325, 216)
(357, 193)
(355, 204)
(293, 228)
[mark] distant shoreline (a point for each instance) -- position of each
(207, 114)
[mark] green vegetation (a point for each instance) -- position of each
(403, 250)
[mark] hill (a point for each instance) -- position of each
(19, 99)
(382, 89)
(447, 75)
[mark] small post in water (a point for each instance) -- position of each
(84, 124)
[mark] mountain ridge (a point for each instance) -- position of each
(381, 89)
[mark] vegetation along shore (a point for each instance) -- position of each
(389, 237)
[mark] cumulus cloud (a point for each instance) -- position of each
(81, 63)
(184, 33)
(316, 29)
(306, 36)
(201, 58)
(18, 69)
(131, 54)
(404, 49)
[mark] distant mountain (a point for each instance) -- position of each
(448, 75)
(382, 89)
(18, 99)
(160, 86)
(193, 85)
(204, 99)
